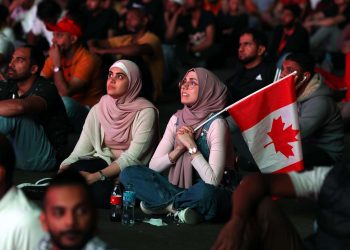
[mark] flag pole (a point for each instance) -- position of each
(228, 107)
(210, 118)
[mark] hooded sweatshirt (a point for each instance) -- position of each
(319, 118)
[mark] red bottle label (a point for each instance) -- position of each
(116, 199)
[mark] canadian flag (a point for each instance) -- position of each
(268, 120)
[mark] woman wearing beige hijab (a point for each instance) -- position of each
(121, 130)
(195, 160)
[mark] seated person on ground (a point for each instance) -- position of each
(120, 131)
(196, 160)
(290, 35)
(252, 71)
(138, 42)
(32, 113)
(320, 122)
(258, 223)
(20, 227)
(74, 70)
(197, 27)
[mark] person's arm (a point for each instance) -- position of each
(208, 41)
(29, 105)
(85, 144)
(128, 50)
(172, 30)
(64, 87)
(95, 44)
(166, 153)
(144, 132)
(330, 21)
(246, 197)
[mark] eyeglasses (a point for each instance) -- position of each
(188, 85)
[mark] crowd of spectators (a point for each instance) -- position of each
(56, 80)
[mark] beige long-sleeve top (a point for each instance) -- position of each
(221, 152)
(144, 134)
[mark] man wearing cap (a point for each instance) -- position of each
(139, 42)
(32, 113)
(75, 71)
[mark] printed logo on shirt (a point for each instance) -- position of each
(259, 78)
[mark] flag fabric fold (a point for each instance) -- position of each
(269, 124)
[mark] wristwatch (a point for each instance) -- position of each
(102, 176)
(192, 150)
(56, 69)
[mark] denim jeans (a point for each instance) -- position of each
(33, 150)
(76, 113)
(157, 192)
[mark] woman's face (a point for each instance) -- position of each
(189, 89)
(117, 83)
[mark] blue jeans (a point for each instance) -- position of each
(157, 192)
(76, 113)
(32, 147)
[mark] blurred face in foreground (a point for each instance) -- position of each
(69, 216)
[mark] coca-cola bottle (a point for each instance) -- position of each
(116, 204)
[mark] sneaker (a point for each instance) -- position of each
(188, 216)
(155, 211)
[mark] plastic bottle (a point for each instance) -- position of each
(128, 205)
(116, 204)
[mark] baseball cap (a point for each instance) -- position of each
(66, 24)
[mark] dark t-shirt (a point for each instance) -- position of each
(54, 119)
(97, 26)
(195, 35)
(296, 42)
(246, 81)
(229, 28)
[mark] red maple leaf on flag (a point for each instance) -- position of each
(282, 137)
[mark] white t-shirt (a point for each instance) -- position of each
(25, 17)
(6, 48)
(39, 29)
(20, 226)
(308, 184)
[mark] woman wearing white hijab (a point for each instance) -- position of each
(121, 130)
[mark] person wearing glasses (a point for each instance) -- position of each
(195, 159)
(119, 131)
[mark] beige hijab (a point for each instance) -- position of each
(117, 115)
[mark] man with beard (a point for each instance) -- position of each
(252, 71)
(20, 226)
(75, 71)
(138, 43)
(32, 113)
(69, 216)
(287, 37)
